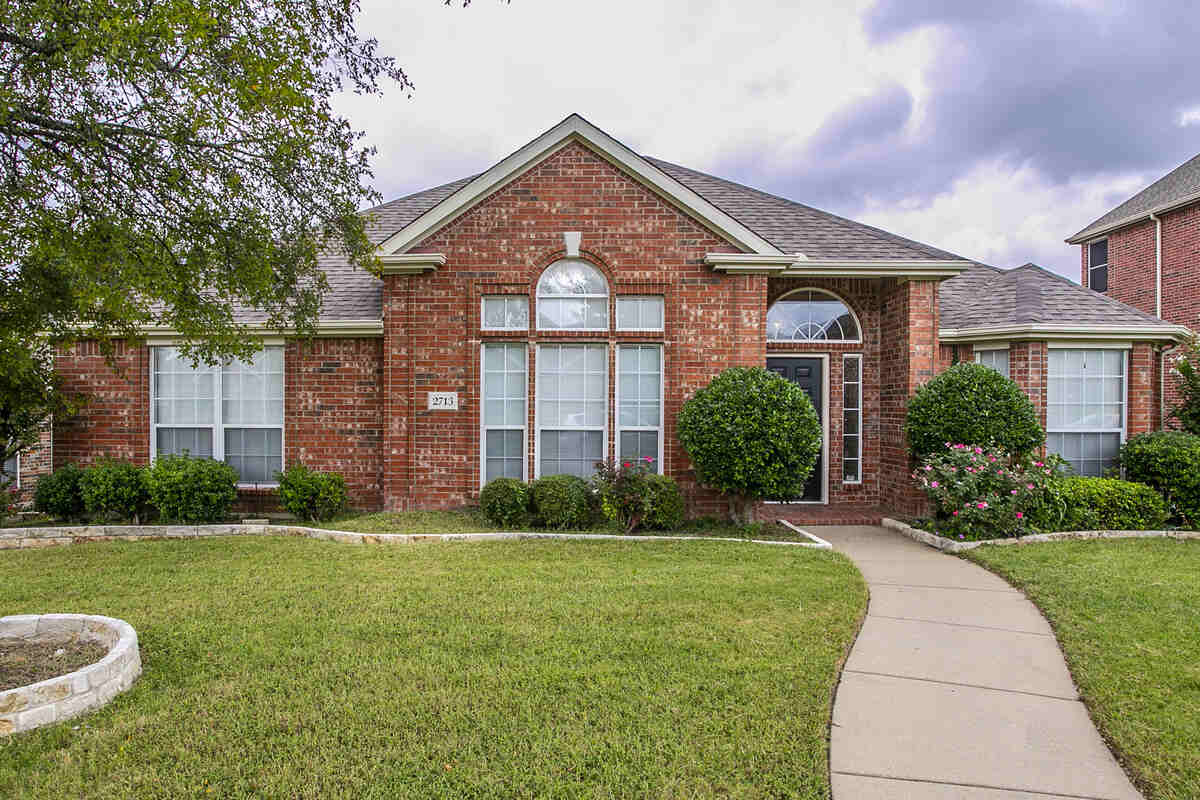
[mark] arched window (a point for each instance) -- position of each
(811, 314)
(572, 295)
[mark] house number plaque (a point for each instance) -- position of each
(443, 401)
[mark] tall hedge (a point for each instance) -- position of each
(1169, 462)
(751, 434)
(972, 404)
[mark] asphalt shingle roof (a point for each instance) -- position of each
(1177, 185)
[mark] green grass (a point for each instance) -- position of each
(471, 520)
(300, 668)
(1127, 614)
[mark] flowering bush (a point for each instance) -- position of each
(982, 493)
(633, 496)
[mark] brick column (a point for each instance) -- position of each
(1144, 412)
(396, 477)
(1027, 367)
(908, 359)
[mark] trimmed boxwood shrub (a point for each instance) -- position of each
(561, 502)
(193, 490)
(665, 503)
(311, 495)
(114, 490)
(1109, 504)
(1168, 461)
(58, 494)
(505, 502)
(975, 405)
(751, 434)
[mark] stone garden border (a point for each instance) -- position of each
(56, 699)
(951, 546)
(24, 538)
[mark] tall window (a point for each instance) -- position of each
(572, 392)
(233, 413)
(572, 295)
(852, 419)
(811, 314)
(639, 403)
(504, 411)
(1085, 413)
(1098, 265)
(12, 471)
(996, 359)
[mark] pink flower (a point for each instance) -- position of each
(1038, 464)
(928, 468)
(956, 513)
(978, 450)
(648, 460)
(934, 484)
(981, 505)
(1020, 515)
(1014, 491)
(1029, 486)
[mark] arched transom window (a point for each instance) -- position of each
(572, 295)
(811, 314)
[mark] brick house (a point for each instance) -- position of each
(1146, 253)
(558, 308)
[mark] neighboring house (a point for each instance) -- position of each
(558, 308)
(1146, 253)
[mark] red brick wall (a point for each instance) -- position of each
(34, 462)
(1027, 366)
(1143, 413)
(116, 420)
(641, 243)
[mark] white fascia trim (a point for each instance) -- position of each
(1094, 233)
(330, 328)
(411, 263)
(748, 263)
(1141, 333)
(875, 268)
(576, 128)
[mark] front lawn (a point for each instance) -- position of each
(300, 668)
(1127, 614)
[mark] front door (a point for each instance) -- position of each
(808, 374)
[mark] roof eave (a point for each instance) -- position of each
(1142, 333)
(1095, 231)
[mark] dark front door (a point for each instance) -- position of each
(808, 374)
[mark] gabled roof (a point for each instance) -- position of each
(1178, 187)
(1032, 302)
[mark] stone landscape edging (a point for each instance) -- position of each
(25, 538)
(952, 546)
(87, 688)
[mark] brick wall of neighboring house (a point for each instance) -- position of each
(34, 462)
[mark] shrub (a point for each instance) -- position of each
(561, 502)
(666, 504)
(310, 495)
(1109, 504)
(58, 494)
(191, 490)
(1169, 462)
(1188, 410)
(984, 494)
(505, 502)
(751, 434)
(974, 405)
(114, 490)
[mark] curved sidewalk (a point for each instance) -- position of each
(956, 688)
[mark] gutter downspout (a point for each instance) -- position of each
(1157, 265)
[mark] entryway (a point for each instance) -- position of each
(808, 372)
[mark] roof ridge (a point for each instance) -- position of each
(1112, 216)
(845, 222)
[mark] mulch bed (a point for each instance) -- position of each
(23, 662)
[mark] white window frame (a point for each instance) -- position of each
(537, 402)
(218, 426)
(506, 298)
(980, 349)
(484, 427)
(16, 484)
(861, 383)
(1107, 263)
(607, 297)
(817, 290)
(617, 307)
(1125, 350)
(658, 464)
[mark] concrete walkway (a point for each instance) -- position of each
(956, 688)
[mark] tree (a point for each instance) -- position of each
(751, 434)
(165, 161)
(1187, 411)
(972, 404)
(29, 397)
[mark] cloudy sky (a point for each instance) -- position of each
(991, 129)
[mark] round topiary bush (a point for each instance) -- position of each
(114, 490)
(972, 404)
(194, 490)
(58, 494)
(505, 502)
(1169, 462)
(561, 502)
(311, 495)
(751, 434)
(665, 503)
